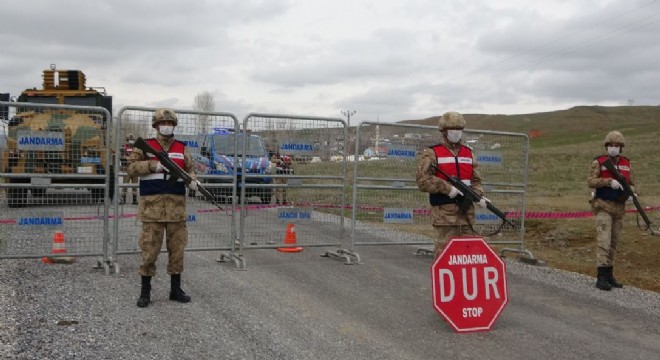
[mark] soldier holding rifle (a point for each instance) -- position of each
(608, 204)
(457, 160)
(162, 206)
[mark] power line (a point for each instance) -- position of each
(546, 44)
(586, 43)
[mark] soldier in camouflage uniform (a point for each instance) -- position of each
(608, 205)
(162, 207)
(127, 151)
(283, 167)
(455, 159)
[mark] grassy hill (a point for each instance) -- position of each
(564, 144)
(577, 124)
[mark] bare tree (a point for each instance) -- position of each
(204, 102)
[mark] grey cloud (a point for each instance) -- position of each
(429, 58)
(386, 104)
(330, 71)
(388, 54)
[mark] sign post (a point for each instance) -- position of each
(469, 284)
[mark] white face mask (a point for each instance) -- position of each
(454, 136)
(613, 151)
(166, 130)
(131, 142)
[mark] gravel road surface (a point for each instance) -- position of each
(304, 306)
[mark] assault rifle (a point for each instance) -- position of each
(470, 196)
(609, 165)
(174, 170)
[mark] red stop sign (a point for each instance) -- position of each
(469, 284)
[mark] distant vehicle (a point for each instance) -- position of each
(217, 158)
(56, 142)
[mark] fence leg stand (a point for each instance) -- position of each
(526, 257)
(344, 254)
(238, 259)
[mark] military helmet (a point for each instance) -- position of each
(451, 119)
(163, 115)
(614, 137)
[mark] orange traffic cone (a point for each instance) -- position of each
(59, 248)
(290, 239)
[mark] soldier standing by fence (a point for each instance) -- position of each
(127, 150)
(162, 207)
(457, 160)
(283, 166)
(609, 206)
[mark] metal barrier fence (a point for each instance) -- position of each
(388, 208)
(309, 200)
(56, 176)
(262, 206)
(212, 139)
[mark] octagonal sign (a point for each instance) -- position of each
(469, 284)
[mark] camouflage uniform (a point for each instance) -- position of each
(608, 215)
(282, 168)
(128, 150)
(161, 214)
(447, 220)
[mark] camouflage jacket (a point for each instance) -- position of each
(161, 207)
(427, 181)
(595, 181)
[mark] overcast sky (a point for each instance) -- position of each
(387, 60)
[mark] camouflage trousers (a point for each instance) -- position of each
(151, 242)
(130, 180)
(446, 232)
(608, 234)
(280, 192)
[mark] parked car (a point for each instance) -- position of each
(222, 154)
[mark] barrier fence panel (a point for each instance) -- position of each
(389, 209)
(211, 138)
(55, 177)
(304, 203)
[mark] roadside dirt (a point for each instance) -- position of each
(571, 245)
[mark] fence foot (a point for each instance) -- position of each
(344, 254)
(99, 263)
(424, 251)
(108, 265)
(526, 257)
(239, 261)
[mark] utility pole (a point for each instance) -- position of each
(377, 131)
(349, 143)
(348, 114)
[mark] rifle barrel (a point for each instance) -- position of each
(175, 170)
(609, 165)
(472, 195)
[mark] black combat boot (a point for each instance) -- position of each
(176, 293)
(145, 293)
(611, 279)
(602, 281)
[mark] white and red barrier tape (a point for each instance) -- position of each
(425, 211)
